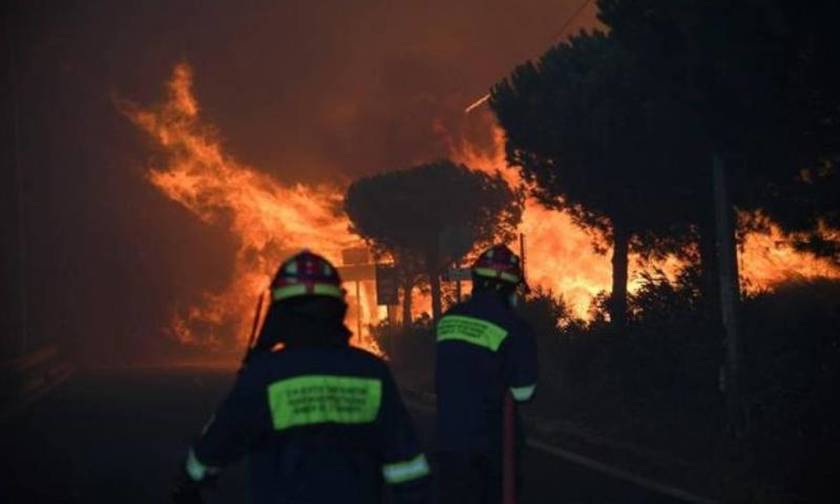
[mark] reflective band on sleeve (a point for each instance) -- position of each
(401, 472)
(303, 289)
(196, 470)
(471, 330)
(318, 399)
(523, 393)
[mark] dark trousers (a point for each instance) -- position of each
(471, 478)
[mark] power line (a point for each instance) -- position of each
(560, 34)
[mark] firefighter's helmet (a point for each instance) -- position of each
(498, 263)
(306, 274)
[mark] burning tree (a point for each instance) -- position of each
(621, 129)
(404, 213)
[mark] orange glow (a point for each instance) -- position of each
(768, 258)
(560, 256)
(270, 220)
(558, 253)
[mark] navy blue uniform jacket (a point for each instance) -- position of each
(319, 425)
(484, 351)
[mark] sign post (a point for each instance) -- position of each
(454, 242)
(386, 285)
(352, 257)
(357, 267)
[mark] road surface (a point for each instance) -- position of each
(120, 435)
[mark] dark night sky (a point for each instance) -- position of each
(338, 88)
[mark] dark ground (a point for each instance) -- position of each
(119, 436)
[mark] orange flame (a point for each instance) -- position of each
(269, 220)
(560, 256)
(769, 258)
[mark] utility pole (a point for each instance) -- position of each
(458, 280)
(359, 314)
(730, 295)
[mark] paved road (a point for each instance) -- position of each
(118, 436)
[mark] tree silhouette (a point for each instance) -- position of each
(760, 83)
(405, 213)
(582, 124)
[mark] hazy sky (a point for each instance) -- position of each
(347, 85)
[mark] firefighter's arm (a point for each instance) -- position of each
(521, 364)
(405, 469)
(231, 431)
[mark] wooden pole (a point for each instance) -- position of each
(730, 294)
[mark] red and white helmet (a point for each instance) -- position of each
(498, 263)
(306, 274)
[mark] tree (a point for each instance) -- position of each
(404, 213)
(582, 126)
(759, 81)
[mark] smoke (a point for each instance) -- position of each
(312, 92)
(307, 91)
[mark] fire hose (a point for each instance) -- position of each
(509, 452)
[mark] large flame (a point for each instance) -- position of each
(270, 220)
(768, 257)
(560, 255)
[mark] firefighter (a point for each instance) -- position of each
(320, 421)
(485, 352)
